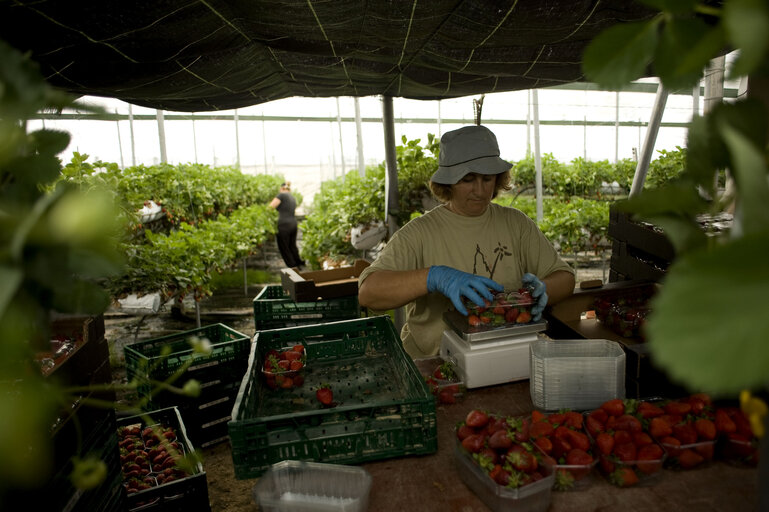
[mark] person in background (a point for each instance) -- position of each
(285, 203)
(463, 247)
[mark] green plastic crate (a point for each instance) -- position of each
(384, 407)
(226, 362)
(274, 309)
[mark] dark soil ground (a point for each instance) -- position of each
(232, 307)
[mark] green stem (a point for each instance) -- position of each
(708, 10)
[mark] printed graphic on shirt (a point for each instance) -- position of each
(499, 253)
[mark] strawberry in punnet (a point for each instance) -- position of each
(477, 418)
(724, 423)
(605, 443)
(325, 395)
(614, 407)
(445, 371)
(623, 477)
(705, 428)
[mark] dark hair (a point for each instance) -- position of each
(442, 192)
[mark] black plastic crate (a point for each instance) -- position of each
(383, 405)
(274, 309)
(189, 494)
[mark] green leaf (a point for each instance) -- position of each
(708, 327)
(674, 6)
(81, 297)
(50, 142)
(706, 152)
(679, 37)
(750, 173)
(678, 197)
(747, 28)
(621, 53)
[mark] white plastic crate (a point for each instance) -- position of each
(575, 374)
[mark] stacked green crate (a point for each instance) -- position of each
(382, 406)
(274, 309)
(219, 373)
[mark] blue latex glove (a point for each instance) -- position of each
(456, 284)
(538, 291)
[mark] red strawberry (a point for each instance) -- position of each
(324, 394)
(523, 317)
(660, 428)
(521, 459)
(689, 458)
(649, 410)
(605, 443)
(685, 433)
(540, 429)
(473, 320)
(291, 355)
(578, 439)
(500, 440)
(578, 457)
(677, 408)
(593, 425)
(641, 439)
(614, 407)
(706, 429)
(626, 452)
(624, 477)
(511, 315)
(537, 416)
(672, 445)
(298, 348)
(724, 424)
(628, 422)
(477, 418)
(447, 395)
(649, 458)
(573, 419)
(463, 431)
(295, 365)
(544, 444)
(473, 443)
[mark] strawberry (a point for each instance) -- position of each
(540, 429)
(464, 430)
(573, 419)
(445, 371)
(521, 459)
(628, 422)
(291, 355)
(593, 425)
(649, 410)
(474, 320)
(523, 317)
(642, 439)
(623, 477)
(685, 433)
(287, 382)
(578, 457)
(324, 394)
(477, 418)
(626, 452)
(564, 480)
(447, 395)
(473, 443)
(499, 310)
(295, 365)
(672, 445)
(614, 407)
(724, 424)
(705, 428)
(299, 348)
(544, 444)
(649, 458)
(511, 315)
(500, 440)
(677, 408)
(688, 459)
(605, 443)
(537, 416)
(578, 439)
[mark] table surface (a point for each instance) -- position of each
(432, 483)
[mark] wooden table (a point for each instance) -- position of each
(431, 482)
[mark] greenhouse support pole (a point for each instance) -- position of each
(237, 142)
(339, 121)
(161, 135)
(245, 278)
(359, 132)
(264, 144)
(651, 138)
(119, 142)
(131, 128)
(194, 138)
(537, 156)
(616, 128)
(528, 122)
(391, 183)
(439, 119)
(696, 100)
(197, 314)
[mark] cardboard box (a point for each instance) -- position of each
(322, 284)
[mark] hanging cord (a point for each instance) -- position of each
(477, 107)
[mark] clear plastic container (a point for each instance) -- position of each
(507, 308)
(533, 497)
(297, 486)
(575, 374)
(442, 378)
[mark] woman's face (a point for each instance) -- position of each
(471, 195)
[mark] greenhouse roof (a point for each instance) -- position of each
(221, 54)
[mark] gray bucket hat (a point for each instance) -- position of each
(465, 150)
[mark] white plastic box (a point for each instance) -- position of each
(499, 362)
(576, 374)
(298, 486)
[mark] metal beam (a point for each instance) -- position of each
(391, 184)
(651, 138)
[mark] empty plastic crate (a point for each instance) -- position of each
(575, 374)
(274, 308)
(382, 406)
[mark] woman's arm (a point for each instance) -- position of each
(275, 202)
(390, 289)
(559, 285)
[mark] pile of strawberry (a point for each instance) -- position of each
(626, 453)
(149, 457)
(506, 308)
(500, 446)
(561, 436)
(444, 383)
(282, 369)
(738, 443)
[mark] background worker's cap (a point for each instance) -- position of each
(465, 150)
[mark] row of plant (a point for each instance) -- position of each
(576, 209)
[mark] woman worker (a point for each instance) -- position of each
(285, 203)
(462, 248)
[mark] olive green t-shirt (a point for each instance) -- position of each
(502, 244)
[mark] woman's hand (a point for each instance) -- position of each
(539, 292)
(456, 284)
